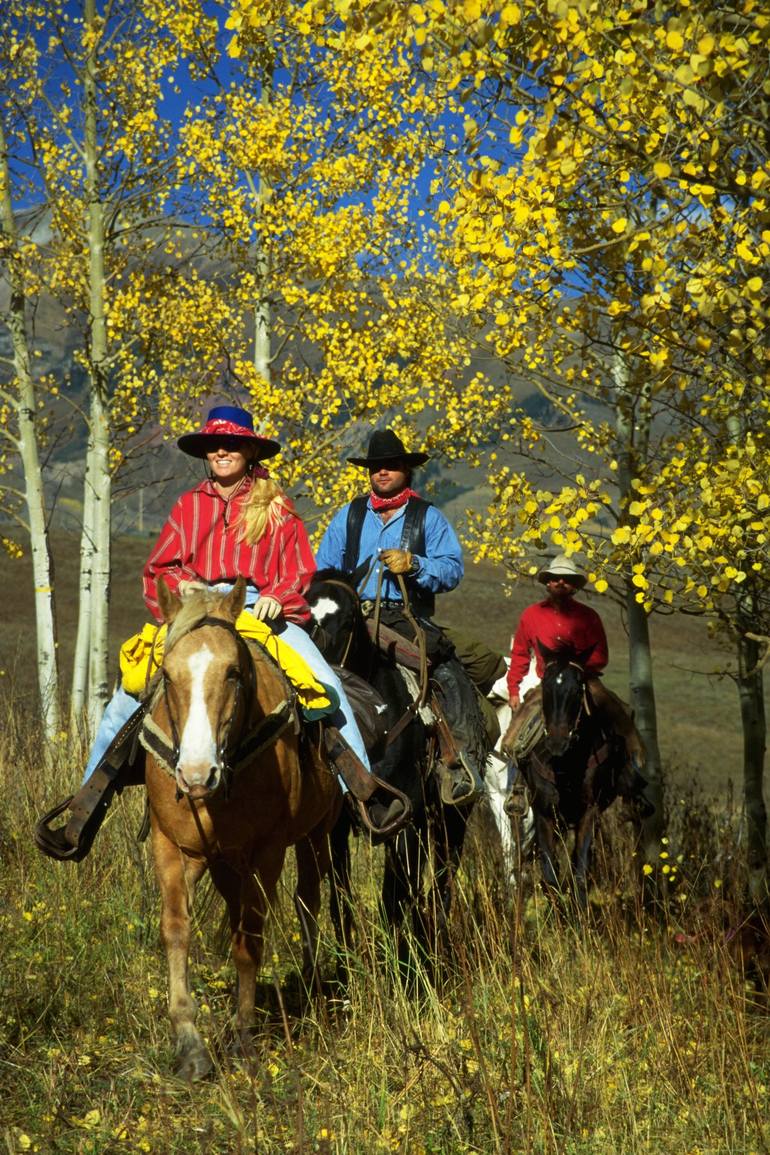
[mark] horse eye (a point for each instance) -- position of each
(233, 674)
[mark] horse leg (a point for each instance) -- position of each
(404, 859)
(341, 894)
(449, 838)
(313, 863)
(247, 920)
(584, 836)
(545, 833)
(177, 876)
(496, 784)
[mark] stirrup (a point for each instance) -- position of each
(396, 815)
(72, 842)
(459, 785)
(516, 801)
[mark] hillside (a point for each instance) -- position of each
(698, 706)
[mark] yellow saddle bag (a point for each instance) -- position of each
(141, 657)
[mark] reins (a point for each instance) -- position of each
(424, 685)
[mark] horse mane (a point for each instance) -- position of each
(195, 607)
(333, 574)
(563, 653)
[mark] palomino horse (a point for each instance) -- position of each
(230, 787)
(573, 770)
(436, 833)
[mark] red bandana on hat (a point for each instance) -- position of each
(379, 504)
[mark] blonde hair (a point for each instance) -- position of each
(262, 510)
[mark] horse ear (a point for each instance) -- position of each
(233, 602)
(547, 654)
(170, 603)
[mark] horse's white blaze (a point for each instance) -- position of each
(324, 608)
(197, 742)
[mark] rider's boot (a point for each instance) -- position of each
(382, 808)
(122, 764)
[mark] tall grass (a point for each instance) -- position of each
(631, 1031)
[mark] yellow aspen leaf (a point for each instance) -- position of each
(662, 169)
(619, 225)
(472, 9)
(600, 585)
(511, 14)
(675, 40)
(754, 285)
(706, 44)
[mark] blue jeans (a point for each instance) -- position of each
(122, 705)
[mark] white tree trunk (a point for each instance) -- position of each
(79, 692)
(99, 443)
(24, 402)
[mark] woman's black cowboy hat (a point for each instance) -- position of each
(384, 445)
(227, 421)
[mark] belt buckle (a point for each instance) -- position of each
(367, 608)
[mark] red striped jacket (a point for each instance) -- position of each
(199, 542)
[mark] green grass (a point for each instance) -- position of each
(542, 1035)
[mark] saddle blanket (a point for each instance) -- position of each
(141, 657)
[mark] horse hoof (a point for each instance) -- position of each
(194, 1066)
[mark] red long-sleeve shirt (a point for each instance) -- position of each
(569, 624)
(200, 542)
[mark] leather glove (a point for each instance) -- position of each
(397, 560)
(186, 587)
(266, 609)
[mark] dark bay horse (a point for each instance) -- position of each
(572, 771)
(231, 786)
(436, 833)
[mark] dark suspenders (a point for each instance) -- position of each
(412, 538)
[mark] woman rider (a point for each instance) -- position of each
(238, 522)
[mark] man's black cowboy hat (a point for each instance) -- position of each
(384, 445)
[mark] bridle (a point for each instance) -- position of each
(584, 709)
(234, 749)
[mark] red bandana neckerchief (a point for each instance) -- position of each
(379, 504)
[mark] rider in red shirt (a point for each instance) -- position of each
(559, 621)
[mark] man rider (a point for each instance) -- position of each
(561, 621)
(390, 533)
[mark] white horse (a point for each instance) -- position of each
(517, 835)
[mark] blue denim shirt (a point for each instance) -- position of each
(439, 571)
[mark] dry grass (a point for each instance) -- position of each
(632, 1032)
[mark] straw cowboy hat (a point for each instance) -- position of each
(227, 421)
(384, 445)
(562, 566)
